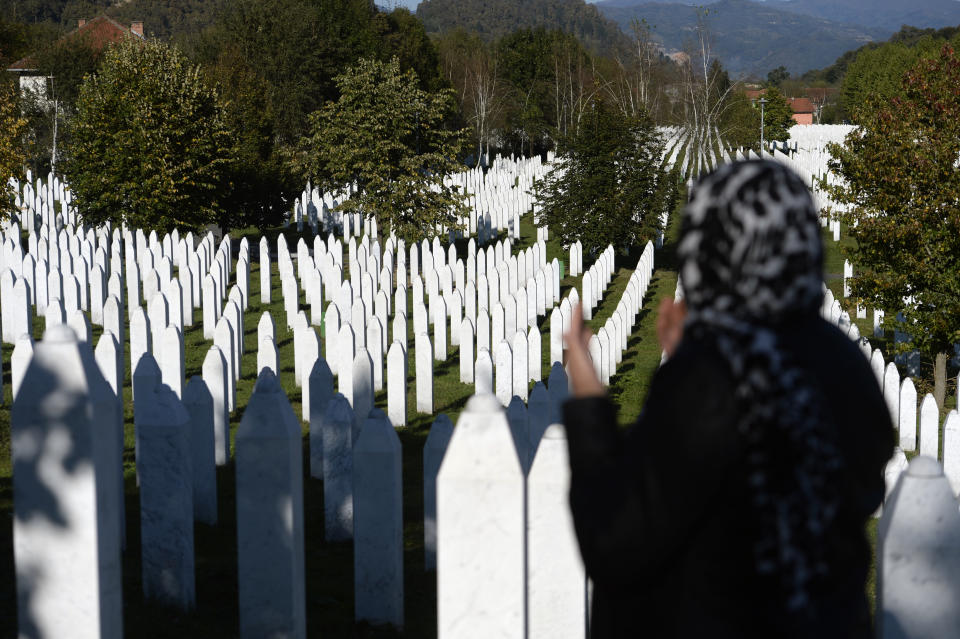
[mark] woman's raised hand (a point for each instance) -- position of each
(670, 318)
(583, 378)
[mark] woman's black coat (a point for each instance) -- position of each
(663, 514)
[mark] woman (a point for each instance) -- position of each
(736, 505)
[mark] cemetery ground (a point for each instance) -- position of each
(329, 566)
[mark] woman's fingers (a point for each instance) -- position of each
(583, 376)
(670, 318)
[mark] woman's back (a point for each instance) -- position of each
(676, 559)
(736, 506)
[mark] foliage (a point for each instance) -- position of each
(777, 77)
(65, 62)
(12, 158)
(68, 60)
(496, 19)
(607, 186)
(879, 72)
(262, 183)
(777, 116)
(902, 186)
(149, 144)
(297, 48)
(740, 122)
(386, 135)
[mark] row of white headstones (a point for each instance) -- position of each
(918, 552)
(183, 431)
(495, 198)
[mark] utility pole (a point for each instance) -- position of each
(763, 101)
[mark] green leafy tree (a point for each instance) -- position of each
(12, 158)
(740, 122)
(903, 189)
(777, 116)
(149, 144)
(387, 136)
(262, 183)
(879, 72)
(607, 186)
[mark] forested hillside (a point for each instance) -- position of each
(749, 37)
(492, 19)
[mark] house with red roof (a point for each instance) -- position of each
(803, 108)
(96, 34)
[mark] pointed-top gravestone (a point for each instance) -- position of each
(483, 372)
(908, 415)
(320, 385)
(166, 499)
(556, 581)
(424, 373)
(270, 539)
(433, 451)
(397, 385)
(929, 427)
(198, 401)
(378, 523)
(558, 388)
(215, 375)
(65, 501)
(540, 414)
(338, 469)
(362, 388)
(480, 528)
(19, 361)
(918, 556)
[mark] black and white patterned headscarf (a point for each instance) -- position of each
(751, 259)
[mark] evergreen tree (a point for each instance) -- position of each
(777, 117)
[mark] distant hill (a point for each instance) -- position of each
(888, 15)
(749, 37)
(492, 19)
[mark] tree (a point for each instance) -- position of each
(607, 186)
(386, 135)
(65, 63)
(12, 158)
(705, 91)
(149, 144)
(902, 188)
(776, 77)
(777, 117)
(740, 122)
(879, 71)
(637, 83)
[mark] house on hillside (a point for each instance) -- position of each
(803, 108)
(96, 33)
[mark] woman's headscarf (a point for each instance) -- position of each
(751, 260)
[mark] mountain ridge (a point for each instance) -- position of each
(750, 38)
